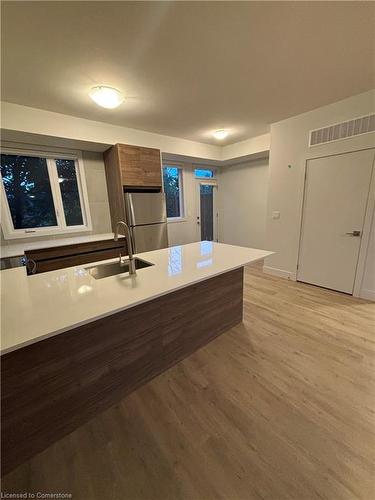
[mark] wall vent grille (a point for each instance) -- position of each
(344, 130)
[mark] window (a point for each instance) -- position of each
(69, 192)
(204, 173)
(172, 180)
(42, 195)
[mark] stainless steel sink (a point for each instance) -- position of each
(112, 268)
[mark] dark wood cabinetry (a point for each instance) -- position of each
(138, 166)
(50, 259)
(130, 167)
(151, 166)
(129, 163)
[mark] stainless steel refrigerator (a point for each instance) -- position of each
(147, 219)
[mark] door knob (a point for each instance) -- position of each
(354, 233)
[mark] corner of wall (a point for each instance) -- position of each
(281, 273)
(252, 146)
(367, 294)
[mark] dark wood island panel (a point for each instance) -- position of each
(53, 386)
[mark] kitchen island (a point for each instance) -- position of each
(73, 345)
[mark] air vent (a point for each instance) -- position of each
(339, 131)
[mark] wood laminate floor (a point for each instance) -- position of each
(280, 407)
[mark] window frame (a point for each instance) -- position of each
(61, 228)
(213, 170)
(180, 168)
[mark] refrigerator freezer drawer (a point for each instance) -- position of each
(152, 237)
(145, 208)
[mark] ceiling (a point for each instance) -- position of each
(187, 68)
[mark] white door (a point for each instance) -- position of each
(336, 194)
(206, 211)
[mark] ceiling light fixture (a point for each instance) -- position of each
(220, 134)
(107, 97)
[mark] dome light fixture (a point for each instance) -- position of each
(107, 97)
(220, 134)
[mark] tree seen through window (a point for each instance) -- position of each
(172, 188)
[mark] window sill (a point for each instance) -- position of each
(45, 233)
(175, 219)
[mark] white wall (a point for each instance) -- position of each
(243, 203)
(254, 145)
(288, 155)
(97, 192)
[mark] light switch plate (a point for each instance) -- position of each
(275, 215)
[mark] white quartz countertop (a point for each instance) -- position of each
(15, 249)
(42, 305)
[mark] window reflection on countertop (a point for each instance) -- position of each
(206, 247)
(204, 263)
(174, 261)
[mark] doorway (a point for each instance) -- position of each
(335, 202)
(206, 211)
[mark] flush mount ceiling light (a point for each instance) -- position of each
(220, 134)
(107, 97)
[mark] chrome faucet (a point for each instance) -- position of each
(129, 246)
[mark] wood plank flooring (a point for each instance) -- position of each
(281, 407)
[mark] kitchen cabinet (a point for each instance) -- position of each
(137, 166)
(50, 259)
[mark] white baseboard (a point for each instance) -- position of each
(281, 273)
(367, 294)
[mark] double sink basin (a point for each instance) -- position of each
(113, 268)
